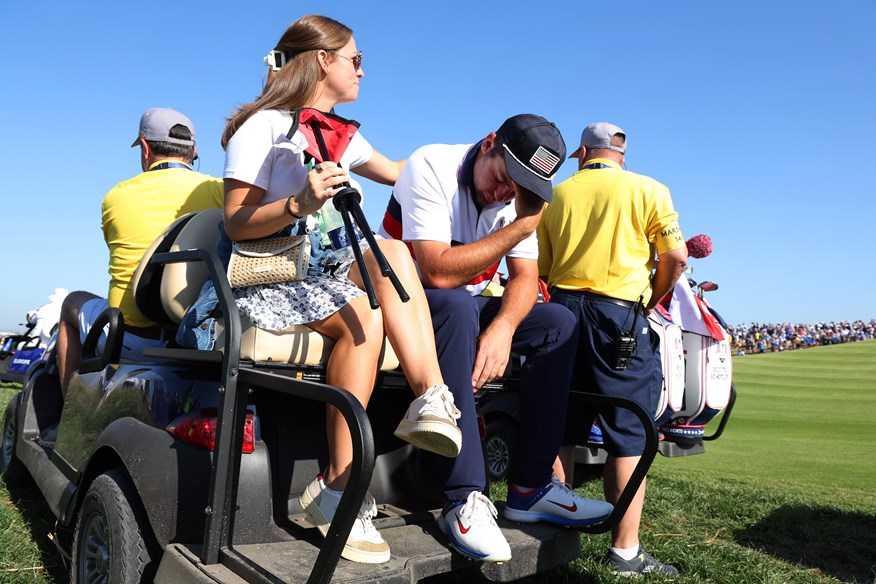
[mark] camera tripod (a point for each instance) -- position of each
(347, 201)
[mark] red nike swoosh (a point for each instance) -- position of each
(570, 508)
(462, 529)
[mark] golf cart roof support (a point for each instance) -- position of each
(641, 470)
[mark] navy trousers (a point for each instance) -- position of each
(547, 339)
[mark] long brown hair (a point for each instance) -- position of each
(294, 85)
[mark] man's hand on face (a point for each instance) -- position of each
(494, 350)
(529, 206)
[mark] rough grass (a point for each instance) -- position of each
(27, 554)
(785, 496)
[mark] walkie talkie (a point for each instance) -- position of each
(624, 347)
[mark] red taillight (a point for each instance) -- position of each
(482, 427)
(198, 428)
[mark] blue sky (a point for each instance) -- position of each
(757, 115)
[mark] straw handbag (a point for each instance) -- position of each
(268, 261)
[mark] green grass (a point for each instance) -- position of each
(27, 555)
(785, 496)
(805, 421)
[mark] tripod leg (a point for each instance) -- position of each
(360, 260)
(385, 269)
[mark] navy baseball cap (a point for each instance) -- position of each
(534, 151)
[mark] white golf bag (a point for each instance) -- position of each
(672, 355)
(708, 369)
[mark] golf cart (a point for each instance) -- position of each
(186, 467)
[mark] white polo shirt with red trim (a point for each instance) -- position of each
(434, 200)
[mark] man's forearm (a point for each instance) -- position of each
(456, 266)
(518, 299)
(669, 268)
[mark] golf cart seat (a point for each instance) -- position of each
(164, 293)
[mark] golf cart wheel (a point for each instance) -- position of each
(12, 469)
(499, 445)
(109, 544)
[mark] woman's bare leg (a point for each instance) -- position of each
(358, 334)
(408, 324)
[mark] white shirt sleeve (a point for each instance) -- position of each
(250, 153)
(426, 207)
(358, 152)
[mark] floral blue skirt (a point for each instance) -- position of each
(278, 307)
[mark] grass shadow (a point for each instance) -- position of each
(41, 523)
(838, 543)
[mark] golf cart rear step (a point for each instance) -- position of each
(418, 551)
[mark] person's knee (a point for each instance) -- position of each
(454, 308)
(399, 258)
(558, 318)
(361, 323)
(72, 304)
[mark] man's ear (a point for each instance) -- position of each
(581, 157)
(145, 154)
(488, 142)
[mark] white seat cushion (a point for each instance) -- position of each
(181, 283)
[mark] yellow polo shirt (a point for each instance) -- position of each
(136, 211)
(602, 230)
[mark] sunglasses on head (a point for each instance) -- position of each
(356, 60)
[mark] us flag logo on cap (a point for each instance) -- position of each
(544, 160)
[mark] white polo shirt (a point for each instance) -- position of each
(434, 200)
(260, 154)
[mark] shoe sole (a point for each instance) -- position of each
(465, 551)
(318, 518)
(533, 516)
(432, 436)
(637, 574)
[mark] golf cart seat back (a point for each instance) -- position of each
(164, 293)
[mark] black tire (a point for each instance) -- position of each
(499, 446)
(12, 470)
(112, 539)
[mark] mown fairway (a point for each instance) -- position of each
(805, 420)
(785, 496)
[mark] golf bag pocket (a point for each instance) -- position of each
(707, 382)
(672, 357)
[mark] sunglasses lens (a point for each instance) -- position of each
(357, 60)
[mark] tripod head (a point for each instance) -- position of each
(345, 196)
(347, 199)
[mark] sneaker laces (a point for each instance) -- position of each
(367, 512)
(477, 507)
(438, 400)
(565, 487)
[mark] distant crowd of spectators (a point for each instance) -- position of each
(763, 338)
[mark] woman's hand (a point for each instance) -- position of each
(322, 181)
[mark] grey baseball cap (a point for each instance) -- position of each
(155, 125)
(599, 135)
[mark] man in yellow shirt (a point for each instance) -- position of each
(598, 240)
(134, 213)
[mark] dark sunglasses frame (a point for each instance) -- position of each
(356, 60)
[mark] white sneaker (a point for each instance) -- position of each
(555, 502)
(430, 423)
(471, 527)
(365, 544)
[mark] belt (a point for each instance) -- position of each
(149, 332)
(629, 304)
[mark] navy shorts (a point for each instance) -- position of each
(600, 323)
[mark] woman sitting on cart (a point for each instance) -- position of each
(271, 187)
